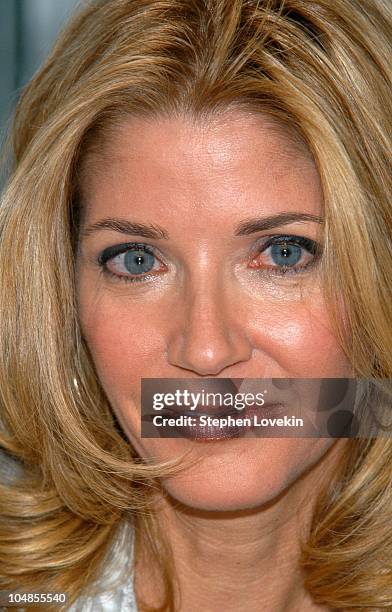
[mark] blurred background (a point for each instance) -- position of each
(27, 32)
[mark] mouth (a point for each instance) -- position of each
(212, 423)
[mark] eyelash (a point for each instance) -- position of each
(309, 245)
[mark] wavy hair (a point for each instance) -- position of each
(321, 69)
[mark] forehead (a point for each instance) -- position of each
(215, 136)
(200, 162)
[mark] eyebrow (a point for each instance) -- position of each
(249, 226)
(126, 227)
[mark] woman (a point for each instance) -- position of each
(200, 191)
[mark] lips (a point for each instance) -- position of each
(208, 432)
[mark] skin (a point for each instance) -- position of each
(208, 310)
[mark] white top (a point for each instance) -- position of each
(115, 587)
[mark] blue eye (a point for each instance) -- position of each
(130, 262)
(138, 261)
(285, 254)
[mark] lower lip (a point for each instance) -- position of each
(210, 433)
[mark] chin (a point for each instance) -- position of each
(226, 499)
(249, 478)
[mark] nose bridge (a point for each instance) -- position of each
(207, 337)
(206, 300)
(204, 296)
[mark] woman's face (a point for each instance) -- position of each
(205, 285)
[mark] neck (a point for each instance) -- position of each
(239, 560)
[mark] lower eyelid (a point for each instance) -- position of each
(283, 272)
(123, 277)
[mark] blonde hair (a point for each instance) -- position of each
(318, 66)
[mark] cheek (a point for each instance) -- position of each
(299, 339)
(124, 340)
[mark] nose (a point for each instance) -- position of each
(208, 334)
